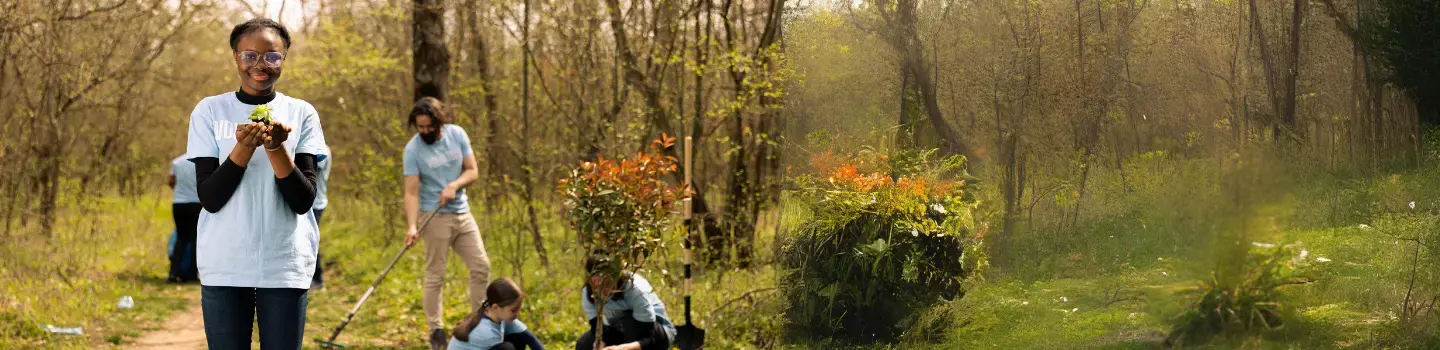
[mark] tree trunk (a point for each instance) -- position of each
(1426, 109)
(633, 77)
(529, 168)
(952, 142)
(905, 134)
(497, 154)
(768, 159)
(904, 38)
(1266, 59)
(431, 58)
(1293, 72)
(49, 195)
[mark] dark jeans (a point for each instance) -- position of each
(621, 331)
(519, 341)
(229, 311)
(318, 279)
(182, 260)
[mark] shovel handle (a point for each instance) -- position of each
(689, 223)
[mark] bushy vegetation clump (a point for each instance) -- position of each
(888, 238)
(1246, 303)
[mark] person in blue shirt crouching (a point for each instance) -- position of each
(635, 318)
(496, 325)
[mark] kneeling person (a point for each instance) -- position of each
(496, 325)
(635, 317)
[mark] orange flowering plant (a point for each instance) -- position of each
(899, 227)
(916, 185)
(620, 207)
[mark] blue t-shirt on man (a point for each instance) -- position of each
(438, 165)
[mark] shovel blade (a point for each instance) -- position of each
(689, 337)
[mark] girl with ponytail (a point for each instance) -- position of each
(496, 325)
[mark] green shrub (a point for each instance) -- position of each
(878, 249)
(1245, 304)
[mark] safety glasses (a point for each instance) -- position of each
(271, 59)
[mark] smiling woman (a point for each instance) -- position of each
(257, 238)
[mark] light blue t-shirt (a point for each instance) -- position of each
(255, 240)
(320, 182)
(639, 298)
(487, 334)
(438, 165)
(184, 172)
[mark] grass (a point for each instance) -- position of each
(100, 251)
(1353, 307)
(1117, 281)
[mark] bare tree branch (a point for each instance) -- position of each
(251, 9)
(746, 296)
(281, 15)
(85, 14)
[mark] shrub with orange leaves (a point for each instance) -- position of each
(620, 207)
(901, 228)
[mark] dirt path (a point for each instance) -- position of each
(184, 330)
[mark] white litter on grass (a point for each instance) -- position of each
(1075, 310)
(1024, 303)
(1364, 227)
(1262, 245)
(1167, 274)
(1322, 260)
(59, 330)
(914, 233)
(126, 302)
(939, 208)
(1304, 253)
(1132, 315)
(1064, 300)
(1412, 204)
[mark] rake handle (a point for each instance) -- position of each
(371, 291)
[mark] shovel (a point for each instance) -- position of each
(688, 336)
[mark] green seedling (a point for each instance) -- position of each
(261, 115)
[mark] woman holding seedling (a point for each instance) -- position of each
(438, 165)
(255, 151)
(635, 318)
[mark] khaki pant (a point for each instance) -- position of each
(458, 232)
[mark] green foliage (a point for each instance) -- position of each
(1246, 304)
(620, 208)
(103, 249)
(877, 250)
(1401, 33)
(261, 114)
